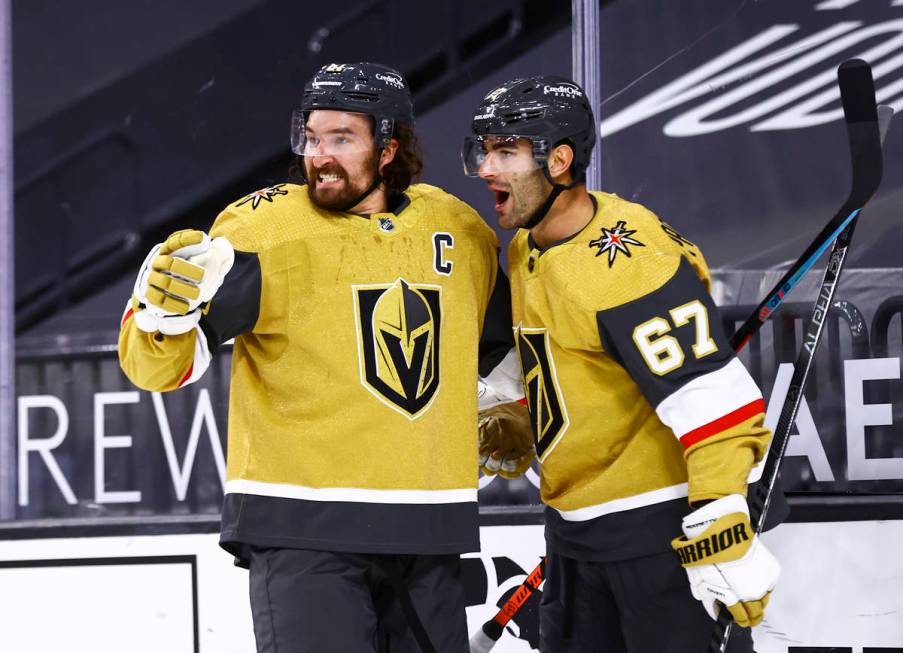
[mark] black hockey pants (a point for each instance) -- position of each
(641, 605)
(319, 602)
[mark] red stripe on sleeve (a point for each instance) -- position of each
(723, 423)
(187, 375)
(125, 319)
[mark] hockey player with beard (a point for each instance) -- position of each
(358, 303)
(646, 426)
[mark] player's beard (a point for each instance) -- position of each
(347, 195)
(527, 192)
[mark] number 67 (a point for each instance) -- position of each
(662, 352)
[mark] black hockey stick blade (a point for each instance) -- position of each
(865, 137)
(857, 94)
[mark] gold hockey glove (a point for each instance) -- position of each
(178, 277)
(726, 561)
(506, 440)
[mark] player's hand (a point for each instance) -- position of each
(178, 277)
(726, 561)
(506, 440)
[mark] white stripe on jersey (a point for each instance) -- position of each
(628, 503)
(357, 495)
(708, 398)
(202, 358)
(641, 500)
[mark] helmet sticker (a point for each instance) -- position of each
(492, 96)
(391, 78)
(565, 90)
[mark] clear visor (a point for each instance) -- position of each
(331, 137)
(502, 154)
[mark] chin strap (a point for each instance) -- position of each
(377, 180)
(557, 189)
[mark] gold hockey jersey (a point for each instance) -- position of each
(352, 411)
(637, 399)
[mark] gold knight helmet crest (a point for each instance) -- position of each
(403, 324)
(399, 327)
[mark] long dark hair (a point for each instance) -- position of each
(407, 163)
(397, 175)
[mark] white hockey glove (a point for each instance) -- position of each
(178, 278)
(726, 561)
(506, 440)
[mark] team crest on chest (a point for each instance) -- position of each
(614, 240)
(545, 402)
(263, 194)
(398, 327)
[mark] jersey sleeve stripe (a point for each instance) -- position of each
(723, 423)
(708, 398)
(187, 375)
(128, 313)
(201, 361)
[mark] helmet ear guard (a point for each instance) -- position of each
(383, 128)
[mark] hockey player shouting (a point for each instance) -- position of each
(638, 403)
(357, 303)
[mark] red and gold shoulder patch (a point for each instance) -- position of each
(614, 240)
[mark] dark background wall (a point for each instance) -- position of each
(134, 120)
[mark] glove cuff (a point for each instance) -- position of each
(699, 520)
(169, 325)
(718, 532)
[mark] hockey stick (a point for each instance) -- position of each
(484, 639)
(865, 134)
(865, 183)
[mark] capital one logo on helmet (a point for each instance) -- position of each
(398, 328)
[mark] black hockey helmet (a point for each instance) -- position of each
(546, 109)
(368, 88)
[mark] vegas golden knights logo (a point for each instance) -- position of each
(544, 400)
(398, 343)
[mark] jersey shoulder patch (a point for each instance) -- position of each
(266, 217)
(625, 253)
